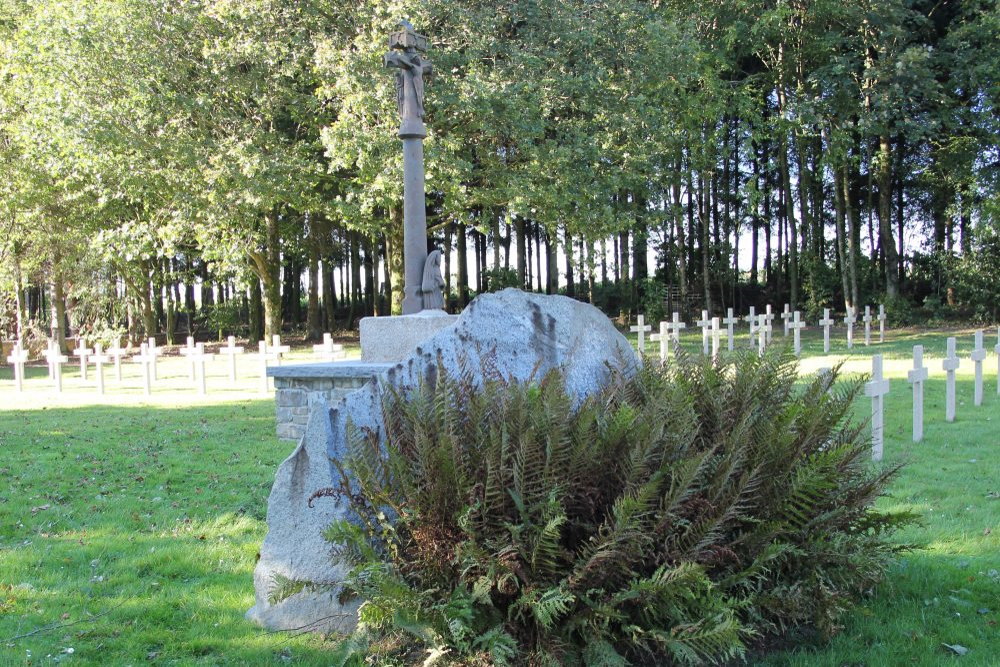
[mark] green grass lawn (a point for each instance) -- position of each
(129, 526)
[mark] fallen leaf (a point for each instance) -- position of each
(957, 649)
(40, 508)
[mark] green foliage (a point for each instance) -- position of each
(499, 278)
(672, 518)
(974, 274)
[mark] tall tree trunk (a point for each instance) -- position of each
(841, 220)
(551, 263)
(853, 219)
(171, 312)
(568, 253)
(522, 252)
(267, 265)
(885, 216)
(313, 323)
(256, 309)
(463, 265)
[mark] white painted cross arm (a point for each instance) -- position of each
(663, 337)
(278, 349)
(18, 357)
(56, 359)
(641, 328)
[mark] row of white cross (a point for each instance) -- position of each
(878, 387)
(760, 329)
(149, 353)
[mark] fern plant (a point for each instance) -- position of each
(674, 518)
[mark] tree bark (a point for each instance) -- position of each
(885, 217)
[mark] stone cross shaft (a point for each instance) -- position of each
(881, 323)
(716, 337)
(328, 350)
(148, 360)
(730, 321)
(231, 350)
(978, 356)
(876, 389)
(826, 323)
(675, 326)
(796, 327)
(704, 323)
(950, 365)
(198, 358)
(99, 360)
(663, 337)
(83, 352)
(18, 357)
(769, 316)
(751, 319)
(849, 321)
(116, 353)
(867, 319)
(264, 355)
(917, 377)
(154, 354)
(406, 57)
(786, 316)
(189, 352)
(56, 359)
(763, 333)
(641, 328)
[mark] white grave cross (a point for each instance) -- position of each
(763, 333)
(950, 365)
(278, 349)
(786, 316)
(264, 355)
(704, 323)
(876, 389)
(147, 359)
(198, 358)
(826, 323)
(190, 351)
(56, 359)
(99, 359)
(867, 319)
(751, 319)
(641, 328)
(83, 353)
(716, 337)
(796, 326)
(154, 354)
(978, 356)
(849, 321)
(675, 326)
(231, 350)
(18, 357)
(769, 329)
(328, 350)
(917, 377)
(664, 339)
(730, 321)
(116, 353)
(881, 323)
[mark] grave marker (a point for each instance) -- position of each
(796, 327)
(48, 362)
(917, 377)
(704, 323)
(730, 321)
(154, 353)
(849, 321)
(877, 388)
(99, 359)
(763, 333)
(189, 352)
(278, 349)
(231, 350)
(769, 329)
(146, 359)
(116, 353)
(664, 339)
(826, 323)
(56, 359)
(264, 355)
(18, 357)
(83, 353)
(978, 356)
(675, 326)
(881, 323)
(867, 319)
(328, 350)
(716, 338)
(641, 328)
(198, 358)
(786, 316)
(751, 319)
(950, 365)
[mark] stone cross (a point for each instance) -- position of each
(796, 327)
(730, 321)
(83, 353)
(641, 328)
(950, 365)
(231, 350)
(917, 377)
(328, 350)
(755, 330)
(406, 57)
(769, 329)
(116, 353)
(18, 357)
(147, 360)
(996, 349)
(198, 358)
(675, 326)
(189, 352)
(154, 353)
(978, 356)
(716, 337)
(849, 321)
(826, 323)
(881, 323)
(56, 359)
(763, 333)
(99, 359)
(278, 349)
(786, 316)
(867, 319)
(264, 355)
(704, 323)
(876, 389)
(751, 319)
(664, 339)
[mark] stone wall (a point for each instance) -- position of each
(297, 387)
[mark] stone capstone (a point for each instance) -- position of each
(518, 335)
(394, 337)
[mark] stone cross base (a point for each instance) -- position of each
(298, 387)
(393, 338)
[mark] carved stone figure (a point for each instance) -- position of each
(431, 288)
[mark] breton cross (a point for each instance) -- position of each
(730, 321)
(917, 377)
(18, 357)
(867, 319)
(704, 323)
(99, 359)
(328, 350)
(849, 321)
(675, 326)
(82, 352)
(56, 359)
(978, 356)
(950, 365)
(189, 352)
(877, 388)
(786, 317)
(198, 359)
(147, 359)
(264, 355)
(278, 349)
(826, 323)
(231, 350)
(664, 339)
(796, 326)
(881, 323)
(406, 49)
(116, 353)
(641, 328)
